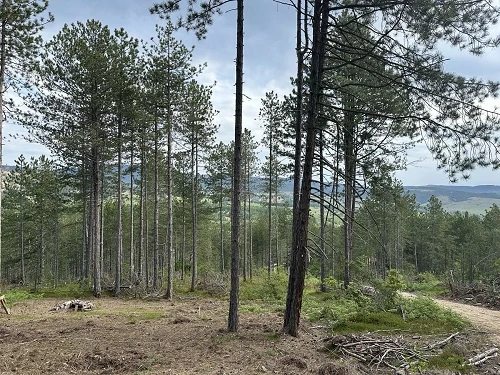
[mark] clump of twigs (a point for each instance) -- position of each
(395, 352)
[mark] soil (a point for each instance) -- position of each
(152, 337)
(484, 319)
(187, 336)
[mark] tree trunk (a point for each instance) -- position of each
(235, 204)
(156, 223)
(142, 208)
(322, 213)
(183, 255)
(119, 248)
(349, 186)
(250, 245)
(221, 197)
(3, 62)
(132, 247)
(96, 222)
(170, 224)
(299, 247)
(270, 204)
(298, 144)
(245, 222)
(194, 193)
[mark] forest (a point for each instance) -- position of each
(140, 199)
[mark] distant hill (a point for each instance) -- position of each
(473, 199)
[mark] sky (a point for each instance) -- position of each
(269, 62)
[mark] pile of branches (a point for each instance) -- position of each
(395, 352)
(477, 294)
(73, 305)
(371, 351)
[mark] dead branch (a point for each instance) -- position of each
(4, 305)
(483, 357)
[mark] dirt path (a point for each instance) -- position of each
(484, 319)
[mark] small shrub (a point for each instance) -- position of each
(265, 288)
(426, 283)
(426, 309)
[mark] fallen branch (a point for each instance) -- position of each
(483, 357)
(442, 343)
(4, 305)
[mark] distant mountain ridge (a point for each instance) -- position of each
(473, 199)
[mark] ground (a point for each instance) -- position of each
(151, 337)
(187, 336)
(485, 320)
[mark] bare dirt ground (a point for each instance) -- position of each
(486, 320)
(151, 337)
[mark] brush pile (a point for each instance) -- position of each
(477, 294)
(73, 305)
(395, 353)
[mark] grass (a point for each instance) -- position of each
(449, 360)
(426, 284)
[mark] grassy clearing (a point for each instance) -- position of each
(350, 310)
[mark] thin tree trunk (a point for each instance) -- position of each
(299, 247)
(170, 224)
(119, 248)
(101, 243)
(245, 222)
(350, 176)
(235, 204)
(221, 198)
(156, 223)
(194, 260)
(270, 204)
(142, 209)
(292, 262)
(183, 255)
(322, 212)
(3, 62)
(95, 213)
(250, 245)
(132, 247)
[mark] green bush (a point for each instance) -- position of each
(426, 309)
(426, 283)
(265, 288)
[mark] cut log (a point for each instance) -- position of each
(483, 357)
(4, 305)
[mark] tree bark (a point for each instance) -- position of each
(156, 223)
(322, 212)
(96, 222)
(170, 224)
(221, 197)
(349, 186)
(299, 248)
(119, 247)
(235, 204)
(132, 247)
(3, 63)
(142, 208)
(269, 203)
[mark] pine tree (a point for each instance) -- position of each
(20, 25)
